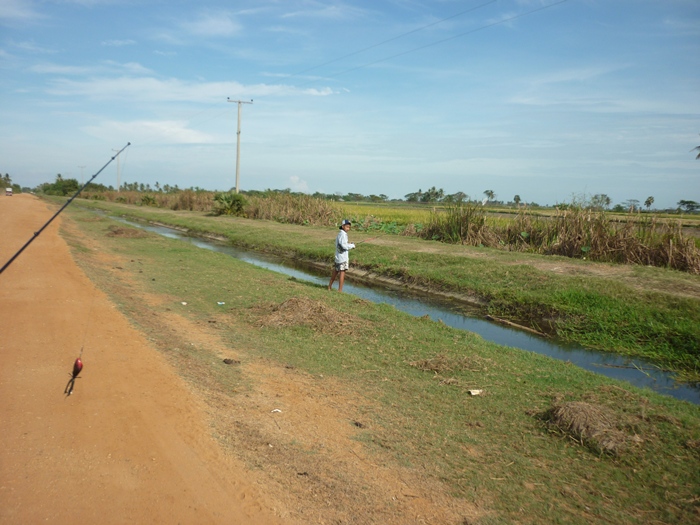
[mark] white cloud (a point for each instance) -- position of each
(298, 184)
(575, 74)
(338, 11)
(324, 92)
(31, 47)
(145, 131)
(17, 10)
(213, 23)
(106, 67)
(147, 88)
(118, 43)
(127, 67)
(56, 69)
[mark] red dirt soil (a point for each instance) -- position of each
(131, 445)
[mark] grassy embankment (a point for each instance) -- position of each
(633, 310)
(495, 450)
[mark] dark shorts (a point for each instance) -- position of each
(341, 267)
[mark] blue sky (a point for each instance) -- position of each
(540, 98)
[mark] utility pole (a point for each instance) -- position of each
(238, 138)
(81, 174)
(118, 174)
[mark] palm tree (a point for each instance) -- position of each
(650, 201)
(697, 148)
(490, 195)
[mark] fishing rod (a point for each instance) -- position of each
(36, 234)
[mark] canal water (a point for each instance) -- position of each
(636, 371)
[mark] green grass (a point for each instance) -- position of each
(596, 310)
(492, 450)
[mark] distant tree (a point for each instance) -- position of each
(61, 186)
(516, 200)
(689, 206)
(354, 197)
(600, 201)
(414, 197)
(490, 195)
(433, 195)
(631, 205)
(460, 196)
(696, 148)
(649, 202)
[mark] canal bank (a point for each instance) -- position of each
(453, 310)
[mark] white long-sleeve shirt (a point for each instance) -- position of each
(342, 247)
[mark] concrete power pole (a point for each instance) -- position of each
(81, 174)
(238, 138)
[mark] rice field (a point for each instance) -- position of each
(641, 239)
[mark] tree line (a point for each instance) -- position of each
(600, 201)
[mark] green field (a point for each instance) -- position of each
(633, 310)
(504, 450)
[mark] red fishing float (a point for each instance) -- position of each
(77, 367)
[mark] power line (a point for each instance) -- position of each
(394, 38)
(156, 135)
(471, 31)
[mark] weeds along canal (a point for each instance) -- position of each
(635, 371)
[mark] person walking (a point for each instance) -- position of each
(342, 258)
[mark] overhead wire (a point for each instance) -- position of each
(453, 37)
(397, 37)
(157, 135)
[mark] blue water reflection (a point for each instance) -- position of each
(635, 371)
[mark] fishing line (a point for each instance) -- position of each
(371, 238)
(87, 324)
(78, 364)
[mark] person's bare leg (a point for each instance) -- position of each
(333, 276)
(341, 280)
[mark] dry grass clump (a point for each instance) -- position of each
(442, 363)
(573, 232)
(591, 425)
(463, 223)
(693, 444)
(191, 200)
(293, 209)
(129, 233)
(300, 311)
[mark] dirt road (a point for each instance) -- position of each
(134, 443)
(131, 445)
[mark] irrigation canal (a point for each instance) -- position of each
(635, 371)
